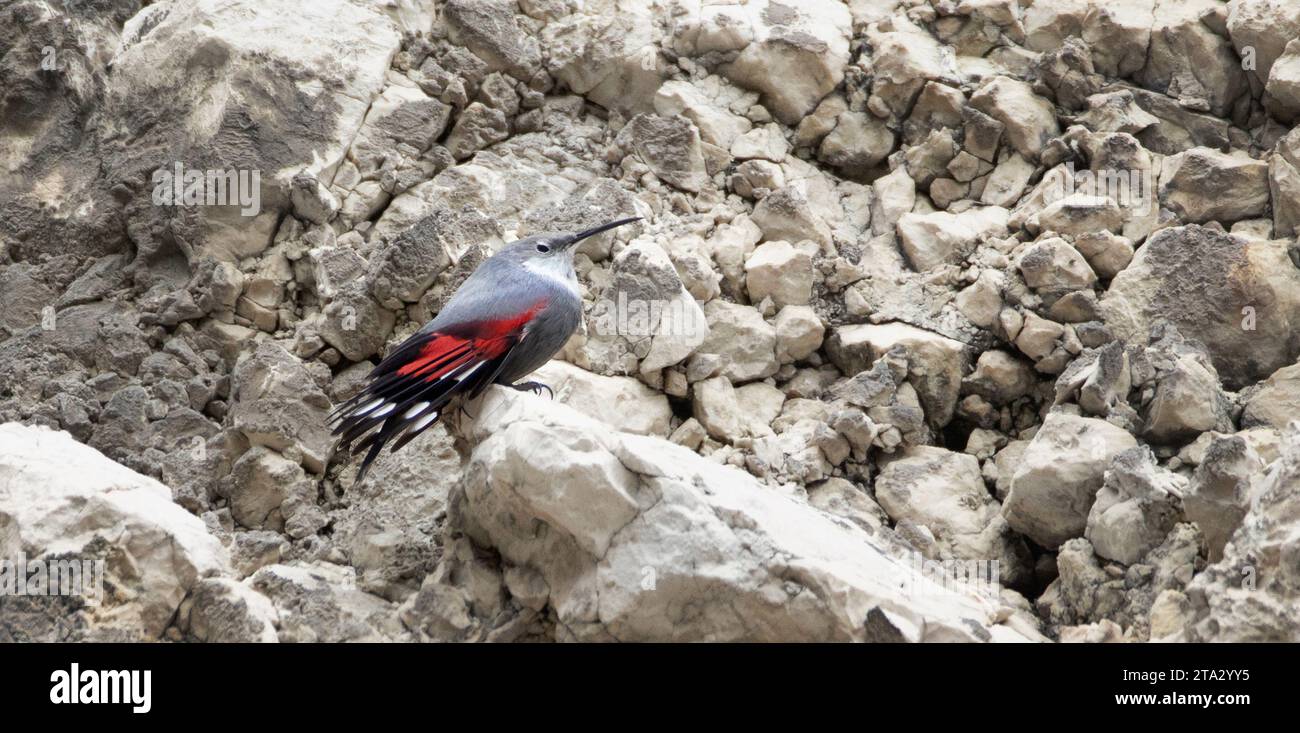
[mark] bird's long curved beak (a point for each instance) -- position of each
(575, 238)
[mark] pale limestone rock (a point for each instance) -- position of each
(621, 402)
(796, 56)
(57, 496)
(1237, 297)
(1029, 119)
(276, 403)
(799, 333)
(1060, 472)
(1079, 214)
(745, 342)
(225, 611)
(670, 146)
(943, 491)
(935, 363)
(1007, 182)
(647, 523)
(717, 124)
(931, 240)
(1053, 266)
(1277, 402)
(1219, 493)
(780, 271)
(1203, 185)
(1135, 509)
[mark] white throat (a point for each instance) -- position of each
(556, 269)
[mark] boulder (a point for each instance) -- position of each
(1060, 472)
(60, 499)
(640, 534)
(1239, 298)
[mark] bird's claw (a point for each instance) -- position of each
(534, 387)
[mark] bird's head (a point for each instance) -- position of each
(556, 245)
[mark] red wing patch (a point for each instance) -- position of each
(409, 388)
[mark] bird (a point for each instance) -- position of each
(509, 317)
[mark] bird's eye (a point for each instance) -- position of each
(543, 248)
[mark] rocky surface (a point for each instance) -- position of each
(967, 321)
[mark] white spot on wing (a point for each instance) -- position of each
(423, 422)
(361, 411)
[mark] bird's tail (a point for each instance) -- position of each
(410, 388)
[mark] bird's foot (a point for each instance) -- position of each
(534, 387)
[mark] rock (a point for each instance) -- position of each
(935, 363)
(1029, 119)
(622, 402)
(1053, 266)
(355, 323)
(339, 49)
(943, 491)
(61, 499)
(1204, 185)
(260, 483)
(1243, 597)
(617, 526)
(931, 240)
(842, 499)
(320, 602)
(716, 408)
(647, 310)
(1284, 185)
(717, 125)
(787, 215)
(1191, 62)
(1135, 509)
(1188, 402)
(1000, 377)
(491, 32)
(1265, 27)
(797, 55)
(1277, 402)
(981, 301)
(1116, 112)
(477, 128)
(610, 58)
(780, 271)
(761, 142)
(389, 527)
(1007, 182)
(1219, 493)
(857, 143)
(1060, 472)
(799, 333)
(276, 404)
(1283, 89)
(670, 146)
(1079, 214)
(744, 341)
(403, 270)
(1235, 297)
(1107, 254)
(228, 612)
(1038, 337)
